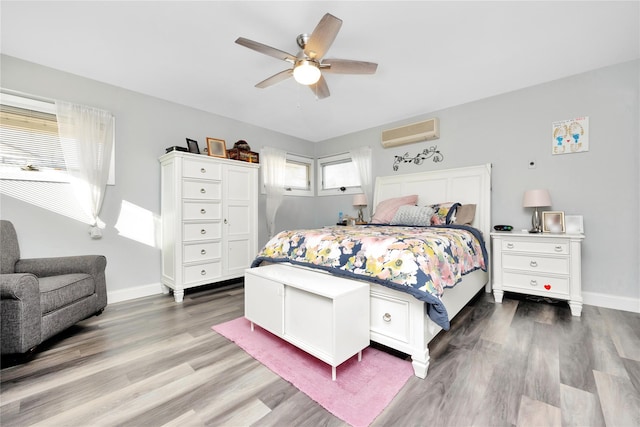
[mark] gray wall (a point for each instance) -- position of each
(514, 128)
(508, 131)
(46, 216)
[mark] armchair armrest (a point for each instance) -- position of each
(20, 314)
(44, 267)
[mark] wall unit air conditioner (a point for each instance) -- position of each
(414, 132)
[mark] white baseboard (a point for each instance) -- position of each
(611, 301)
(133, 293)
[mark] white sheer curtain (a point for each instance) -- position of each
(86, 136)
(274, 163)
(361, 157)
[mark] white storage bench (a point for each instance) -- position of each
(324, 315)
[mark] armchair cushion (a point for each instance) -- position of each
(59, 291)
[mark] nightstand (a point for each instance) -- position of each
(543, 264)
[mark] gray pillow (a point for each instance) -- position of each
(413, 215)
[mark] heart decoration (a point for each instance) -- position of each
(547, 286)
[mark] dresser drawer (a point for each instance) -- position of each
(202, 251)
(205, 190)
(532, 263)
(200, 272)
(194, 168)
(536, 284)
(201, 210)
(202, 231)
(543, 247)
(390, 317)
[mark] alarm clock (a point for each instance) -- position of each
(503, 228)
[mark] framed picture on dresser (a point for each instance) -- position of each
(192, 144)
(216, 147)
(553, 222)
(574, 224)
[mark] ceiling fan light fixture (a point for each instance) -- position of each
(306, 72)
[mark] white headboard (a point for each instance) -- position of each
(469, 185)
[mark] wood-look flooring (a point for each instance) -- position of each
(152, 362)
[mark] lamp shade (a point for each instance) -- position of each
(536, 198)
(360, 200)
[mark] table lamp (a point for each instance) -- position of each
(536, 199)
(360, 201)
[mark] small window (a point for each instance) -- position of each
(298, 176)
(338, 175)
(30, 149)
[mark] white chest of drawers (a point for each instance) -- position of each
(538, 264)
(209, 220)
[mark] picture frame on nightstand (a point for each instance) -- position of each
(574, 224)
(553, 222)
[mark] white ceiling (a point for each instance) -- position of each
(431, 55)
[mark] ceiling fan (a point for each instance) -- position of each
(308, 64)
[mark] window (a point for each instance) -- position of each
(338, 175)
(299, 176)
(29, 146)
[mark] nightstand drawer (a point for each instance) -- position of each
(534, 264)
(560, 248)
(534, 284)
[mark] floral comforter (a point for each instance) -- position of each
(421, 261)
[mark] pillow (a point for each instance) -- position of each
(464, 214)
(413, 215)
(386, 209)
(442, 213)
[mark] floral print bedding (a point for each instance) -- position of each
(421, 261)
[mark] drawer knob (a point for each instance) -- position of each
(225, 220)
(510, 245)
(533, 283)
(203, 211)
(203, 272)
(202, 190)
(386, 317)
(203, 252)
(203, 170)
(533, 263)
(203, 231)
(558, 248)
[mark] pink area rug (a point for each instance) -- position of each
(361, 390)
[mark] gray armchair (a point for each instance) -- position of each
(41, 297)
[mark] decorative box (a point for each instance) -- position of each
(243, 155)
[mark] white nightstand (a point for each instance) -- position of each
(541, 264)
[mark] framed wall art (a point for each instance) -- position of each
(216, 147)
(553, 222)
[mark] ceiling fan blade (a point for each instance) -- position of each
(323, 36)
(320, 88)
(276, 78)
(347, 66)
(267, 50)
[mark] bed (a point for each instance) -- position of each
(407, 318)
